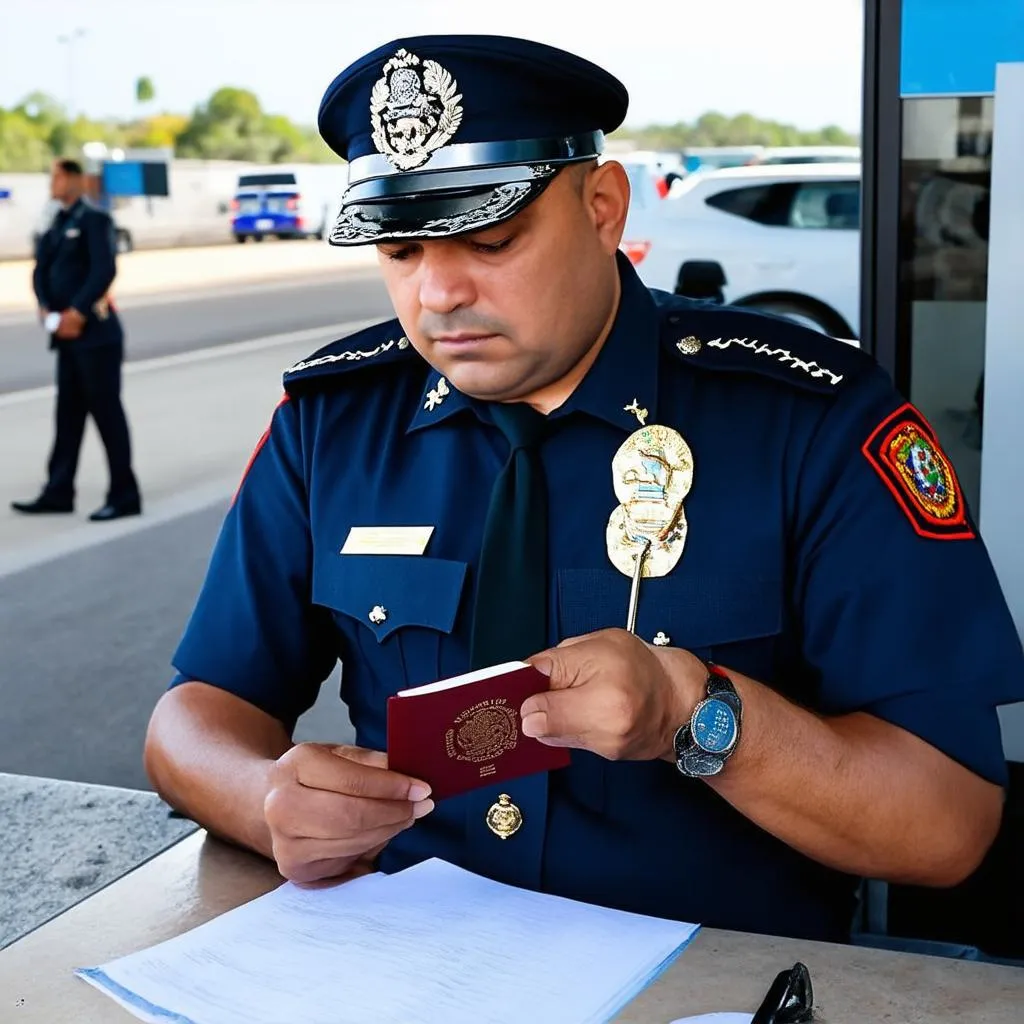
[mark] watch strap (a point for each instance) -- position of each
(692, 759)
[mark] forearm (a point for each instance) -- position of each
(102, 271)
(209, 754)
(857, 793)
(95, 287)
(37, 286)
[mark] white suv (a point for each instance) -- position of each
(784, 239)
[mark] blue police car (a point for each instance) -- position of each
(297, 201)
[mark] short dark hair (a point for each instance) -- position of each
(70, 167)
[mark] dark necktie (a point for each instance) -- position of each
(510, 618)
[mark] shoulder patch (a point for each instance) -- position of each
(377, 345)
(736, 340)
(906, 454)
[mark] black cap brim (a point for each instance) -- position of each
(437, 212)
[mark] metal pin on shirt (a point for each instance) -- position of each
(634, 591)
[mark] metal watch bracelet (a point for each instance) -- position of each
(718, 720)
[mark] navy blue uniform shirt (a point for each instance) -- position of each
(811, 564)
(75, 267)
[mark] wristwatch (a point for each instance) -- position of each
(710, 737)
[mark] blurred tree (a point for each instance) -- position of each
(42, 109)
(232, 125)
(229, 126)
(145, 91)
(229, 103)
(67, 138)
(833, 135)
(23, 145)
(161, 131)
(715, 129)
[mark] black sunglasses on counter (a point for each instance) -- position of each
(790, 1000)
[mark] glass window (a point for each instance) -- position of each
(251, 180)
(765, 204)
(944, 203)
(827, 204)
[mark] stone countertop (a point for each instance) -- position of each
(200, 878)
(62, 841)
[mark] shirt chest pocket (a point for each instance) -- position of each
(395, 612)
(736, 620)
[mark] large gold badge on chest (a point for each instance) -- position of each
(414, 109)
(652, 473)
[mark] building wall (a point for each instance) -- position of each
(195, 213)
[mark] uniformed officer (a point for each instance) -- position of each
(549, 452)
(75, 267)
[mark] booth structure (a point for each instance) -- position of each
(942, 309)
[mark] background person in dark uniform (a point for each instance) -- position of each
(75, 267)
(542, 415)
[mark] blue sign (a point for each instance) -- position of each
(5, 193)
(123, 179)
(951, 47)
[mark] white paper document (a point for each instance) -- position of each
(433, 943)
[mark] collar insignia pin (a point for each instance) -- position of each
(639, 412)
(437, 395)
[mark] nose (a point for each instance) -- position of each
(445, 281)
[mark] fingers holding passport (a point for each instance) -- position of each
(329, 806)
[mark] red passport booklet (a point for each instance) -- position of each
(462, 733)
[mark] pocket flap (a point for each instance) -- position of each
(388, 592)
(697, 611)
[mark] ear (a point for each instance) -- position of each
(606, 196)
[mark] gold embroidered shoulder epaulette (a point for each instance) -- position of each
(377, 345)
(732, 339)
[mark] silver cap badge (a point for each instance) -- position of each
(414, 110)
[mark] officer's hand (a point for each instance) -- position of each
(71, 324)
(330, 808)
(615, 695)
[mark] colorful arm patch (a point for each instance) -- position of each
(906, 454)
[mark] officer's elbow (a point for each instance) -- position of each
(955, 848)
(154, 752)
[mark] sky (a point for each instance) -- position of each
(795, 61)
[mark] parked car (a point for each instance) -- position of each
(646, 231)
(784, 239)
(808, 155)
(286, 202)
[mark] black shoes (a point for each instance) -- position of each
(43, 505)
(116, 511)
(112, 510)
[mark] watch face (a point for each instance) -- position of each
(714, 726)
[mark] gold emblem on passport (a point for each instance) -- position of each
(652, 473)
(483, 732)
(504, 819)
(414, 110)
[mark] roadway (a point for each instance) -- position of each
(90, 613)
(175, 322)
